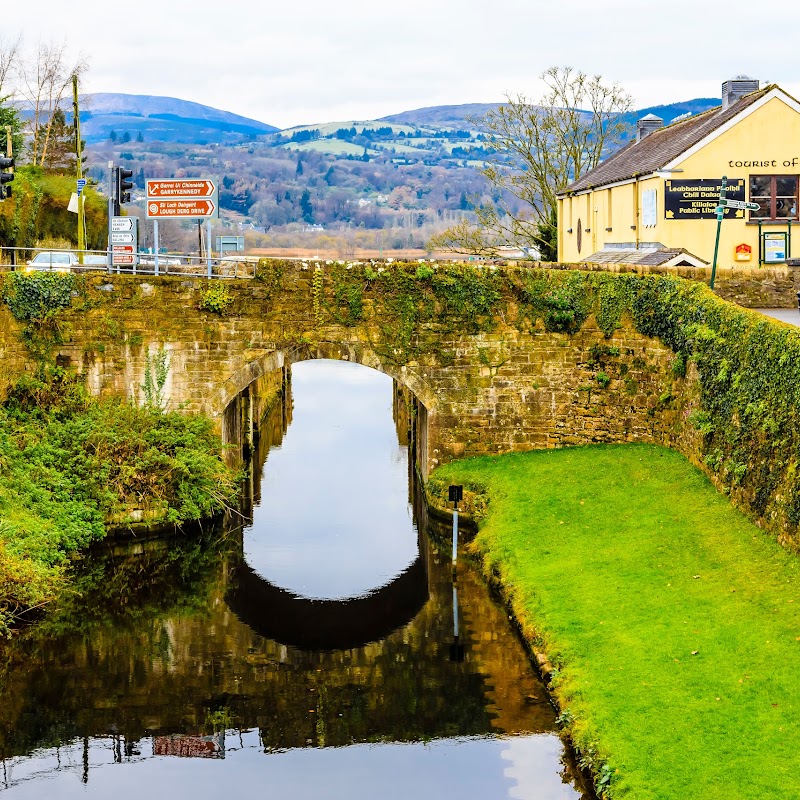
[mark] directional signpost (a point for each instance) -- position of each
(726, 202)
(124, 241)
(182, 198)
(181, 208)
(739, 204)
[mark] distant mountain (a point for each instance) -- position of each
(459, 116)
(164, 119)
(671, 112)
(442, 116)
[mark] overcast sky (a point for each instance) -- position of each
(290, 63)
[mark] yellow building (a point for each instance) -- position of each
(660, 192)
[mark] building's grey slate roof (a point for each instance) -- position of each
(651, 257)
(660, 147)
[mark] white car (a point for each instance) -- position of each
(52, 260)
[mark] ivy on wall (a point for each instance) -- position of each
(749, 366)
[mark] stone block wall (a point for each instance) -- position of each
(490, 392)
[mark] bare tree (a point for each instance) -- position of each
(44, 80)
(9, 54)
(539, 149)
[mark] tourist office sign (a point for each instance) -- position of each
(182, 199)
(698, 199)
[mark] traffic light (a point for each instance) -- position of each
(122, 187)
(6, 176)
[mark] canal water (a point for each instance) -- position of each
(310, 652)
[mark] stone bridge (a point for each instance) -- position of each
(481, 375)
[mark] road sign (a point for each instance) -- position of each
(740, 204)
(124, 241)
(123, 255)
(180, 188)
(122, 223)
(81, 185)
(180, 208)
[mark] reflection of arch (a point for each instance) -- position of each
(284, 617)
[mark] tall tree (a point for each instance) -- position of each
(539, 148)
(44, 79)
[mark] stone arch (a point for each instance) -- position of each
(238, 385)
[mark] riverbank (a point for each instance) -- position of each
(72, 465)
(672, 623)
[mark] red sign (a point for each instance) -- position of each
(180, 188)
(180, 208)
(743, 252)
(122, 255)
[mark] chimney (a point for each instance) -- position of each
(736, 88)
(646, 125)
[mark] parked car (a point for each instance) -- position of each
(52, 260)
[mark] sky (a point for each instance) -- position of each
(296, 63)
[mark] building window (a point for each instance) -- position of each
(776, 195)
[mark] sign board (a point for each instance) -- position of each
(181, 208)
(124, 241)
(230, 244)
(774, 247)
(174, 187)
(698, 199)
(740, 204)
(743, 252)
(123, 255)
(81, 184)
(122, 223)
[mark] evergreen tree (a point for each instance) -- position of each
(58, 147)
(126, 137)
(139, 137)
(299, 170)
(10, 116)
(113, 136)
(306, 208)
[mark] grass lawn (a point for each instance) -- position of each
(674, 623)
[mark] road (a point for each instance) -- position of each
(790, 315)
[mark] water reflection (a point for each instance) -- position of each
(334, 519)
(160, 678)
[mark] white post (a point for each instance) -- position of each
(208, 244)
(455, 537)
(155, 245)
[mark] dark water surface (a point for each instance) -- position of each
(309, 654)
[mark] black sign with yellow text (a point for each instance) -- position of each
(698, 199)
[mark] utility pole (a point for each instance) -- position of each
(10, 154)
(79, 170)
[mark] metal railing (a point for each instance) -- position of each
(55, 259)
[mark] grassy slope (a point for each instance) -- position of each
(627, 561)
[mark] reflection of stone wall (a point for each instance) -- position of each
(154, 672)
(483, 393)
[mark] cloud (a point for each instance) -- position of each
(350, 61)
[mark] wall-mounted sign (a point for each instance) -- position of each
(743, 252)
(698, 199)
(774, 247)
